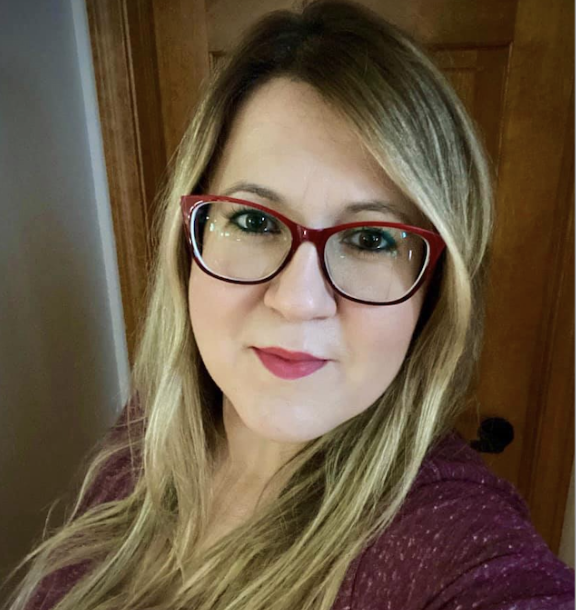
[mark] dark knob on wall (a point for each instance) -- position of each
(494, 434)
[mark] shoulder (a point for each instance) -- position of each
(115, 480)
(118, 474)
(463, 539)
(54, 586)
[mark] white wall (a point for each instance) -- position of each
(63, 360)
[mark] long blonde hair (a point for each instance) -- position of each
(345, 487)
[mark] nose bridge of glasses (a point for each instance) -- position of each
(316, 239)
(302, 234)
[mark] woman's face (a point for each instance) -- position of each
(287, 140)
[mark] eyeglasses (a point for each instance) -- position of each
(375, 263)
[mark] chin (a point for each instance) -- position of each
(286, 425)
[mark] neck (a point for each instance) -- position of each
(248, 461)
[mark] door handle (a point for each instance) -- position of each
(494, 435)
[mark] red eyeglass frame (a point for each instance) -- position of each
(318, 237)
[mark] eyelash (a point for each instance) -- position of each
(236, 213)
(392, 246)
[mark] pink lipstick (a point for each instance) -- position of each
(288, 365)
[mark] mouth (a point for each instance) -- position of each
(289, 365)
(289, 355)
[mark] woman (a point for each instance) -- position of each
(313, 324)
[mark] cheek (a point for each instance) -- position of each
(207, 310)
(217, 311)
(378, 339)
(197, 308)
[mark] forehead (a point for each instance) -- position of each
(287, 139)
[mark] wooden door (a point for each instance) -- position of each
(512, 63)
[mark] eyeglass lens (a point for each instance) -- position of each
(240, 242)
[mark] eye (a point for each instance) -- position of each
(370, 240)
(254, 221)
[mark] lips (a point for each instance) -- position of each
(288, 355)
(289, 365)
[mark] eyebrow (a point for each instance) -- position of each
(370, 205)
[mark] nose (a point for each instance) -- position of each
(300, 291)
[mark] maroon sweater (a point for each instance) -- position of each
(462, 541)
